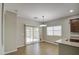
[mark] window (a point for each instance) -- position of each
(54, 31)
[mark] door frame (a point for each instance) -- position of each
(24, 35)
(2, 29)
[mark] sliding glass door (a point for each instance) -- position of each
(35, 34)
(29, 34)
(32, 34)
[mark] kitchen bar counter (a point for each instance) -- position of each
(75, 44)
(68, 48)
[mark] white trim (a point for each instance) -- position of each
(32, 43)
(10, 51)
(20, 46)
(51, 42)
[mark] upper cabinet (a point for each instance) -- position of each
(74, 25)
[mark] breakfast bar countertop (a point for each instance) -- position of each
(75, 44)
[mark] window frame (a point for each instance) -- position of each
(53, 31)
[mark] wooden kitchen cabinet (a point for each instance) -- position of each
(74, 25)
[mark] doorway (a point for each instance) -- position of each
(31, 34)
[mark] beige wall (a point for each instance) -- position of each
(10, 31)
(64, 22)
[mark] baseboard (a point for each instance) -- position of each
(51, 42)
(21, 46)
(42, 41)
(10, 51)
(32, 43)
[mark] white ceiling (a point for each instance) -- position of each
(51, 11)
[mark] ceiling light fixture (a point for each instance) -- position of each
(43, 24)
(71, 11)
(35, 17)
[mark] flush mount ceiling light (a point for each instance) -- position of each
(35, 17)
(71, 11)
(43, 24)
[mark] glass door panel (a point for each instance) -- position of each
(29, 35)
(32, 34)
(36, 34)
